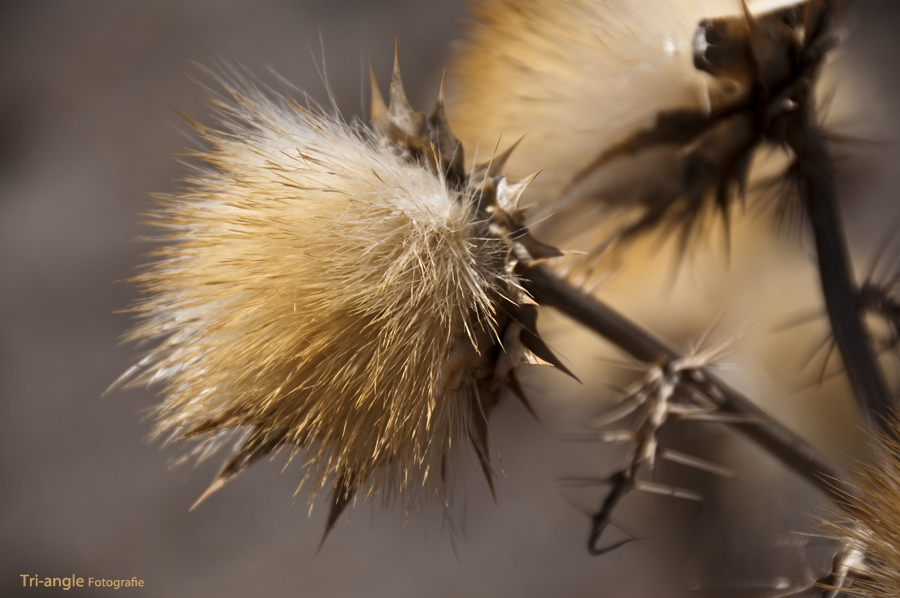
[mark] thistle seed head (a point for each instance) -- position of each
(342, 291)
(574, 76)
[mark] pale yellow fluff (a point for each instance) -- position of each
(574, 76)
(313, 283)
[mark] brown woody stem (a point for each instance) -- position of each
(551, 290)
(842, 297)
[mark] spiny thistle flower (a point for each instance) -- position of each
(868, 525)
(678, 94)
(342, 291)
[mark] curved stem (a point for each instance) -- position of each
(842, 298)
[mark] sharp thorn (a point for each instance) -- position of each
(250, 452)
(529, 338)
(722, 418)
(618, 412)
(618, 436)
(513, 383)
(495, 165)
(217, 483)
(401, 114)
(509, 193)
(190, 121)
(664, 490)
(440, 98)
(378, 110)
(339, 501)
(527, 180)
(485, 468)
(478, 435)
(536, 345)
(397, 91)
(696, 463)
(687, 411)
(396, 57)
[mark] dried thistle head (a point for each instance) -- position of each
(572, 76)
(647, 112)
(345, 292)
(868, 525)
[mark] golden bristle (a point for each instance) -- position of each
(868, 524)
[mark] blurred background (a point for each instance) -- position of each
(87, 133)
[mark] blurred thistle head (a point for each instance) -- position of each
(868, 526)
(342, 291)
(645, 115)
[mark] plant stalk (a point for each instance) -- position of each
(842, 297)
(549, 289)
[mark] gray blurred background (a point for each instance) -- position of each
(86, 133)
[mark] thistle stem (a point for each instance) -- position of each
(549, 289)
(842, 297)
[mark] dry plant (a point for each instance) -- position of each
(359, 294)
